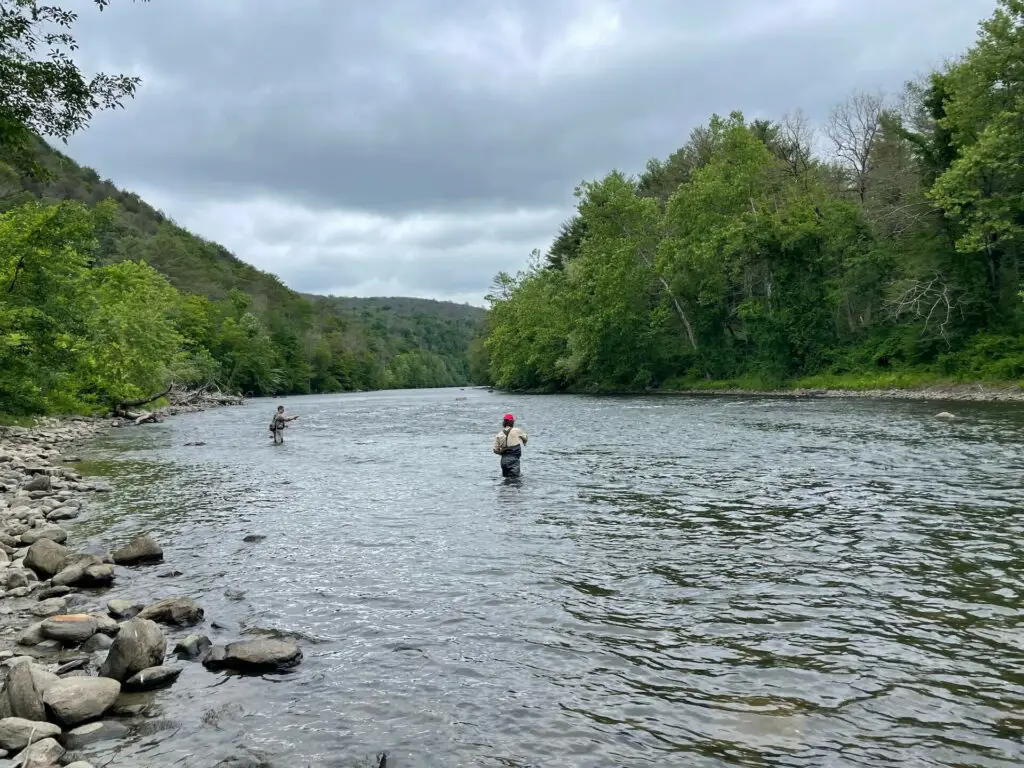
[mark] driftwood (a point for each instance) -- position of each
(178, 398)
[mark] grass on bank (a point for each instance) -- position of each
(855, 382)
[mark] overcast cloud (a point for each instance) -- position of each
(414, 147)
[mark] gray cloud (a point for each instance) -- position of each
(458, 113)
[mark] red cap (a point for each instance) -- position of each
(508, 417)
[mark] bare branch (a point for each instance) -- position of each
(853, 127)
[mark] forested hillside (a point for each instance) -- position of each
(885, 246)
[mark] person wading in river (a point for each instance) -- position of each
(509, 445)
(278, 423)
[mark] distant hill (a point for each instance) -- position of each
(321, 343)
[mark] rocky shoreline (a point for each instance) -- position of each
(78, 672)
(978, 393)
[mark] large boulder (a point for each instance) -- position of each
(46, 557)
(72, 629)
(139, 645)
(25, 699)
(77, 700)
(141, 549)
(180, 611)
(260, 655)
(16, 732)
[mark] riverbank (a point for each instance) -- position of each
(79, 673)
(937, 392)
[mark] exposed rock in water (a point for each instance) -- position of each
(124, 609)
(192, 647)
(140, 550)
(16, 732)
(180, 611)
(85, 573)
(46, 557)
(945, 415)
(254, 538)
(91, 733)
(97, 642)
(48, 592)
(152, 678)
(70, 629)
(262, 655)
(139, 645)
(77, 700)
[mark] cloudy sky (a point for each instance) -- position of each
(416, 147)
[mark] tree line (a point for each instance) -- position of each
(105, 300)
(885, 246)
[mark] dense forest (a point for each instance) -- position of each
(883, 247)
(104, 299)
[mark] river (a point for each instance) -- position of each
(681, 581)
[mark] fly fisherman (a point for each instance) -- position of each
(509, 445)
(278, 423)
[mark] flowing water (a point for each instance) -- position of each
(672, 582)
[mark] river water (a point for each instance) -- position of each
(672, 582)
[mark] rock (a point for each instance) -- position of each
(41, 678)
(70, 666)
(91, 733)
(254, 538)
(77, 700)
(85, 573)
(48, 592)
(51, 532)
(46, 557)
(31, 635)
(38, 483)
(16, 580)
(124, 609)
(169, 575)
(26, 702)
(79, 764)
(261, 655)
(49, 607)
(234, 594)
(105, 624)
(945, 415)
(43, 754)
(152, 678)
(192, 647)
(62, 513)
(72, 629)
(180, 611)
(141, 549)
(97, 642)
(16, 732)
(139, 645)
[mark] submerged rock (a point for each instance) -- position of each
(91, 733)
(140, 550)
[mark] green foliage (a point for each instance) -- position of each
(744, 257)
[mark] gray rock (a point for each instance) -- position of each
(192, 647)
(105, 624)
(77, 700)
(139, 645)
(38, 483)
(16, 732)
(91, 733)
(97, 642)
(254, 538)
(141, 549)
(124, 609)
(48, 592)
(46, 557)
(49, 607)
(52, 532)
(26, 702)
(180, 611)
(72, 629)
(43, 754)
(260, 655)
(79, 764)
(42, 679)
(152, 678)
(98, 576)
(62, 513)
(85, 573)
(16, 580)
(30, 636)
